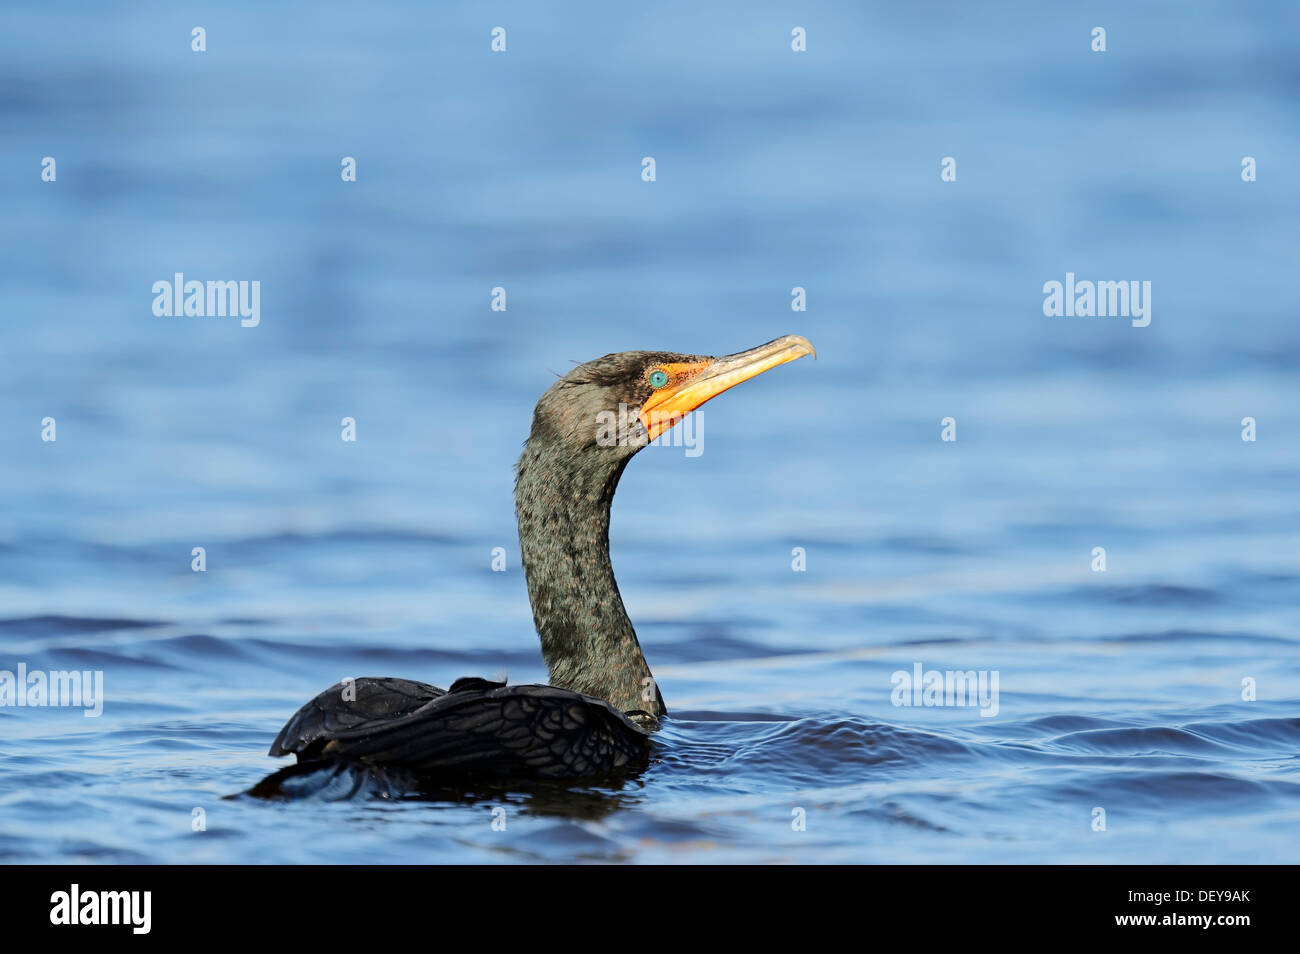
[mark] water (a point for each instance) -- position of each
(1119, 690)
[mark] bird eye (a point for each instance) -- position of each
(658, 378)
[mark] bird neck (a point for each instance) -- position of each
(562, 501)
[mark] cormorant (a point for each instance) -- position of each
(595, 717)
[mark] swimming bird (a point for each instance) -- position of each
(595, 717)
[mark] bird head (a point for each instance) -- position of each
(619, 403)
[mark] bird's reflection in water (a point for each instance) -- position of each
(334, 781)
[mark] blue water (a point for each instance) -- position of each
(1119, 690)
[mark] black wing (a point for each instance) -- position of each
(483, 730)
(312, 726)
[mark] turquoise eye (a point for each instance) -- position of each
(658, 379)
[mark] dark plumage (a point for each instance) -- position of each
(595, 716)
(476, 729)
(564, 488)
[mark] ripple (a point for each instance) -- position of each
(59, 625)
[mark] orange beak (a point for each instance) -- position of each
(690, 385)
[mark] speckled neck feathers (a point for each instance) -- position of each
(562, 499)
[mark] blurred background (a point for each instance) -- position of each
(774, 169)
